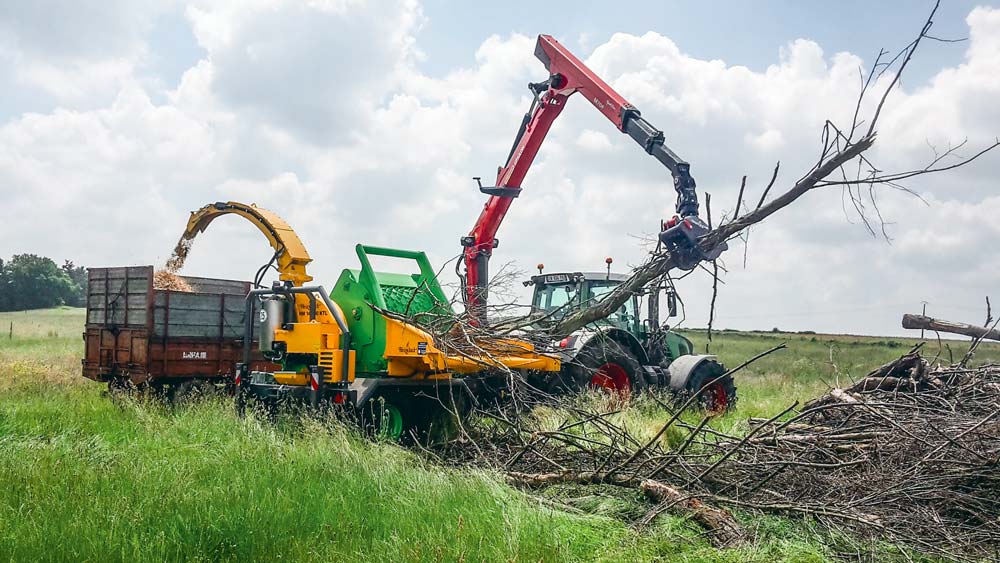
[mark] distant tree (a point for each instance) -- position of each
(35, 282)
(78, 274)
(4, 289)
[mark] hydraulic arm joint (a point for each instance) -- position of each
(651, 140)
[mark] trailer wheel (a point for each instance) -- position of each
(719, 394)
(120, 387)
(192, 391)
(607, 365)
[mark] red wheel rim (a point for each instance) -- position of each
(611, 376)
(716, 393)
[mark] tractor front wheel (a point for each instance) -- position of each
(717, 390)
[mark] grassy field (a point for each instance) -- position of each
(86, 478)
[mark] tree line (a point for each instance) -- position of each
(28, 281)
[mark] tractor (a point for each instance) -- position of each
(623, 352)
(628, 350)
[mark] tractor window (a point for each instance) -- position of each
(625, 316)
(551, 297)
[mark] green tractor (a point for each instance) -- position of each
(629, 350)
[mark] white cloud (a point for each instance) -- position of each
(595, 141)
(316, 69)
(319, 111)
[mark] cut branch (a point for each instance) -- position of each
(952, 327)
(723, 529)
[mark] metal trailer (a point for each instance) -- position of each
(137, 335)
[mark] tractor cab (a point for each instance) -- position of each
(557, 295)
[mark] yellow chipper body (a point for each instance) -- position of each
(360, 344)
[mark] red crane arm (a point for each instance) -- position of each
(567, 76)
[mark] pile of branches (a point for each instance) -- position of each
(908, 454)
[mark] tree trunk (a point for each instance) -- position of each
(724, 530)
(657, 265)
(928, 323)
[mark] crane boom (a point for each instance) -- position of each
(567, 76)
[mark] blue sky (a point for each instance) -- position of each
(739, 32)
(365, 121)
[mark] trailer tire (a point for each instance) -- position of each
(192, 391)
(121, 387)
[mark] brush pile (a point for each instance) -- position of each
(908, 454)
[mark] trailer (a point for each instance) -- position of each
(137, 336)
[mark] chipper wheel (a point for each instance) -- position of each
(607, 365)
(383, 417)
(720, 394)
(407, 416)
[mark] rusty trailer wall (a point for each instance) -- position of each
(216, 313)
(119, 296)
(161, 336)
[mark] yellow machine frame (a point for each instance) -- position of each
(322, 336)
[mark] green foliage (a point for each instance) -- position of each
(28, 281)
(78, 275)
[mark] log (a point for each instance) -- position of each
(939, 325)
(723, 529)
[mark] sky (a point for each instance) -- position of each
(364, 122)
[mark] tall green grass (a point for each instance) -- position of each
(87, 478)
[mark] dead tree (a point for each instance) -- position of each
(841, 163)
(952, 327)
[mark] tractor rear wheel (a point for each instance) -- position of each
(607, 365)
(719, 393)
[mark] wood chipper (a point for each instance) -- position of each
(349, 346)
